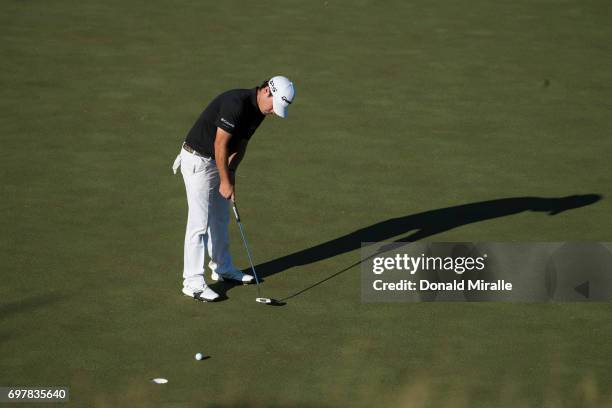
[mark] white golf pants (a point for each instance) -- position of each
(207, 220)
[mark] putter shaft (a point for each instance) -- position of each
(246, 246)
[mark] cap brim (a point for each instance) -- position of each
(280, 107)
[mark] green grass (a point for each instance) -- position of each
(402, 107)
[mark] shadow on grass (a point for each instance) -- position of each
(420, 226)
(29, 304)
(221, 288)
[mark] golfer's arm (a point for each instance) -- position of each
(222, 154)
(236, 157)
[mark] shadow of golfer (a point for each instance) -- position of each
(420, 226)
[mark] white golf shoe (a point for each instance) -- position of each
(204, 294)
(233, 276)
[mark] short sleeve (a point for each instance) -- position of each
(228, 117)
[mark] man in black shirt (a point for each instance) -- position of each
(209, 158)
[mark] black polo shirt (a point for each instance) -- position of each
(234, 111)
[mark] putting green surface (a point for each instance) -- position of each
(402, 107)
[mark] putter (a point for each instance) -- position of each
(259, 299)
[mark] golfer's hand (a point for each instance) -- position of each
(227, 191)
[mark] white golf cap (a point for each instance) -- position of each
(283, 94)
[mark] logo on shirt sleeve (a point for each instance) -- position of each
(228, 123)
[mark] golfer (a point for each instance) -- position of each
(209, 159)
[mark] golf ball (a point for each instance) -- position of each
(199, 356)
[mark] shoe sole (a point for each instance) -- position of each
(201, 299)
(243, 283)
(236, 281)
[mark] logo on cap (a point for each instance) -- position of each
(271, 83)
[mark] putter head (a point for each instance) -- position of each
(269, 301)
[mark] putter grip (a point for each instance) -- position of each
(236, 212)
